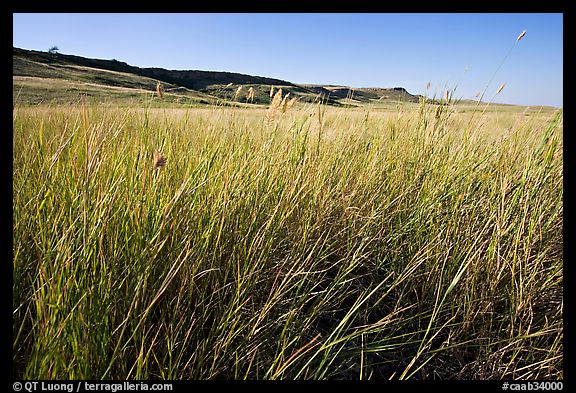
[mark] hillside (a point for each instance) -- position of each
(55, 77)
(366, 94)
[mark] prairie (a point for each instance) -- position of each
(414, 241)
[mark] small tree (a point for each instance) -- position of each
(53, 50)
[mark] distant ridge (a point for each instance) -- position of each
(192, 79)
(202, 86)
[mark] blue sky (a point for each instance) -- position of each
(359, 50)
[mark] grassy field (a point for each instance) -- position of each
(410, 242)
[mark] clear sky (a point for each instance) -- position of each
(358, 50)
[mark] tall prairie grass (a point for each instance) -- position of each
(326, 243)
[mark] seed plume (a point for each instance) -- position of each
(274, 106)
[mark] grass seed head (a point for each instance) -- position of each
(284, 104)
(274, 106)
(291, 103)
(276, 101)
(250, 95)
(238, 90)
(501, 88)
(159, 90)
(521, 35)
(525, 112)
(159, 160)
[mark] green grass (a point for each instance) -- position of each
(416, 243)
